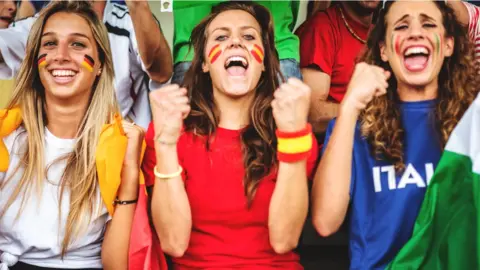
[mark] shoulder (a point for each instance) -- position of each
(325, 18)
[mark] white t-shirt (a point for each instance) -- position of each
(131, 80)
(36, 238)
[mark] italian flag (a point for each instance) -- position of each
(446, 234)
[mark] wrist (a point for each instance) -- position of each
(348, 108)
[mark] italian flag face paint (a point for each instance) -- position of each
(395, 44)
(88, 63)
(257, 53)
(42, 60)
(214, 53)
(438, 43)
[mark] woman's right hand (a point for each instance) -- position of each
(367, 81)
(170, 105)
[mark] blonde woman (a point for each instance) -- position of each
(53, 212)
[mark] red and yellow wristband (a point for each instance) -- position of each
(294, 146)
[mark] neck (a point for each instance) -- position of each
(364, 18)
(410, 93)
(99, 7)
(233, 112)
(64, 119)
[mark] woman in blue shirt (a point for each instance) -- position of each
(401, 105)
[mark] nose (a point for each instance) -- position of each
(416, 31)
(61, 53)
(235, 41)
(11, 7)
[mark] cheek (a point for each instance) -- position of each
(257, 53)
(214, 53)
(396, 42)
(88, 63)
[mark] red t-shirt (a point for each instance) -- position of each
(326, 43)
(225, 234)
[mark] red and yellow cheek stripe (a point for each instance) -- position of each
(294, 146)
(42, 60)
(214, 53)
(88, 63)
(257, 53)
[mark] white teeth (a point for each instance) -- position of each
(63, 73)
(237, 58)
(416, 50)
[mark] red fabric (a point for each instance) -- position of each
(289, 135)
(225, 234)
(326, 43)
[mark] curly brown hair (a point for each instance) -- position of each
(258, 138)
(457, 88)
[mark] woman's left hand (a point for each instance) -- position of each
(131, 162)
(291, 105)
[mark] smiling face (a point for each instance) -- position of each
(8, 9)
(68, 60)
(415, 43)
(234, 53)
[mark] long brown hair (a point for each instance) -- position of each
(457, 88)
(258, 138)
(80, 175)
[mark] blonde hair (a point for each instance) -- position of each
(80, 175)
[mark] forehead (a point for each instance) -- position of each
(64, 23)
(233, 19)
(413, 9)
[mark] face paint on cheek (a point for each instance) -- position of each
(214, 53)
(88, 63)
(42, 60)
(396, 44)
(437, 43)
(257, 53)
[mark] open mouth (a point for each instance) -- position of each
(415, 58)
(6, 19)
(236, 65)
(63, 76)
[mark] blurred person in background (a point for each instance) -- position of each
(8, 10)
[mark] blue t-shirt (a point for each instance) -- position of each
(385, 205)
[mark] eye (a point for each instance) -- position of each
(49, 43)
(249, 37)
(221, 38)
(429, 25)
(401, 27)
(79, 45)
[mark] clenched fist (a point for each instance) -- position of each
(367, 81)
(291, 105)
(170, 105)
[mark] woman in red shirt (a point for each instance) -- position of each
(230, 151)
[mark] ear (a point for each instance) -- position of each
(205, 68)
(383, 53)
(99, 72)
(448, 46)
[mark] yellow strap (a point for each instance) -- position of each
(10, 120)
(295, 145)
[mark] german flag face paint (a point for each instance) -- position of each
(42, 60)
(257, 53)
(214, 53)
(88, 63)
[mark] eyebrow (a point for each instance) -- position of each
(422, 15)
(228, 29)
(72, 34)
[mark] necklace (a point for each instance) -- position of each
(350, 29)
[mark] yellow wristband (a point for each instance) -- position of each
(166, 176)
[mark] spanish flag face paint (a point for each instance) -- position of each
(42, 60)
(88, 63)
(214, 53)
(257, 53)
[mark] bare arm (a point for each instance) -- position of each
(460, 11)
(321, 110)
(171, 213)
(117, 234)
(152, 45)
(332, 180)
(288, 206)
